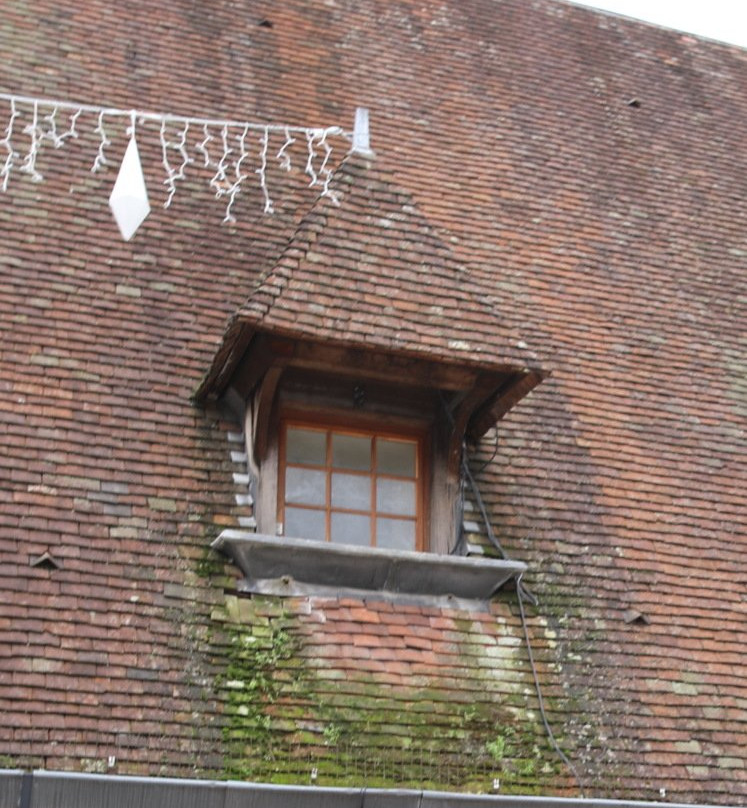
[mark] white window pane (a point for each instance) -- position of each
(350, 528)
(351, 491)
(395, 534)
(301, 523)
(351, 452)
(396, 457)
(395, 496)
(305, 486)
(306, 446)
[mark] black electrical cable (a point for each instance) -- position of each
(492, 456)
(543, 714)
(521, 593)
(480, 504)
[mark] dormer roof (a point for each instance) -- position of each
(365, 269)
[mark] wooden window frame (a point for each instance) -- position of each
(375, 430)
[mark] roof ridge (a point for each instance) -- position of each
(266, 292)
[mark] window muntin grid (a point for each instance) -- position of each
(351, 486)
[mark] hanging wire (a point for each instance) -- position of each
(548, 729)
(492, 456)
(522, 593)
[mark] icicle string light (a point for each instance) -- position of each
(221, 145)
(202, 147)
(233, 189)
(36, 134)
(100, 160)
(171, 173)
(326, 172)
(219, 181)
(7, 144)
(262, 172)
(311, 151)
(282, 156)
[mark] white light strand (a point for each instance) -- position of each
(174, 174)
(53, 135)
(52, 132)
(6, 142)
(100, 160)
(181, 147)
(326, 172)
(219, 181)
(171, 173)
(310, 137)
(262, 171)
(233, 189)
(71, 132)
(282, 156)
(203, 146)
(36, 134)
(228, 171)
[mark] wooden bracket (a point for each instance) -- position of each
(264, 400)
(515, 388)
(483, 389)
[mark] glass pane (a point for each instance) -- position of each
(395, 534)
(349, 528)
(305, 486)
(396, 457)
(351, 491)
(395, 496)
(351, 452)
(306, 446)
(301, 523)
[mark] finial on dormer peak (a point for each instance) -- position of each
(361, 136)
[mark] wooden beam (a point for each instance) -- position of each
(263, 403)
(505, 398)
(380, 365)
(257, 360)
(484, 389)
(237, 337)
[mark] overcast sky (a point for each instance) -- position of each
(724, 20)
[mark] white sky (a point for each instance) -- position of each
(723, 20)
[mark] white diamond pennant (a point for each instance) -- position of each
(129, 197)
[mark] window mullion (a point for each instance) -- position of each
(329, 485)
(374, 444)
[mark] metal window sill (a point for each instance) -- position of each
(288, 566)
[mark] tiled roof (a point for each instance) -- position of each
(366, 268)
(589, 175)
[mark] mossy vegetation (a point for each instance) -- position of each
(209, 564)
(289, 718)
(253, 680)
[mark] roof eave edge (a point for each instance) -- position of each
(236, 338)
(454, 359)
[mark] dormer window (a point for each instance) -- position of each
(362, 448)
(350, 485)
(361, 362)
